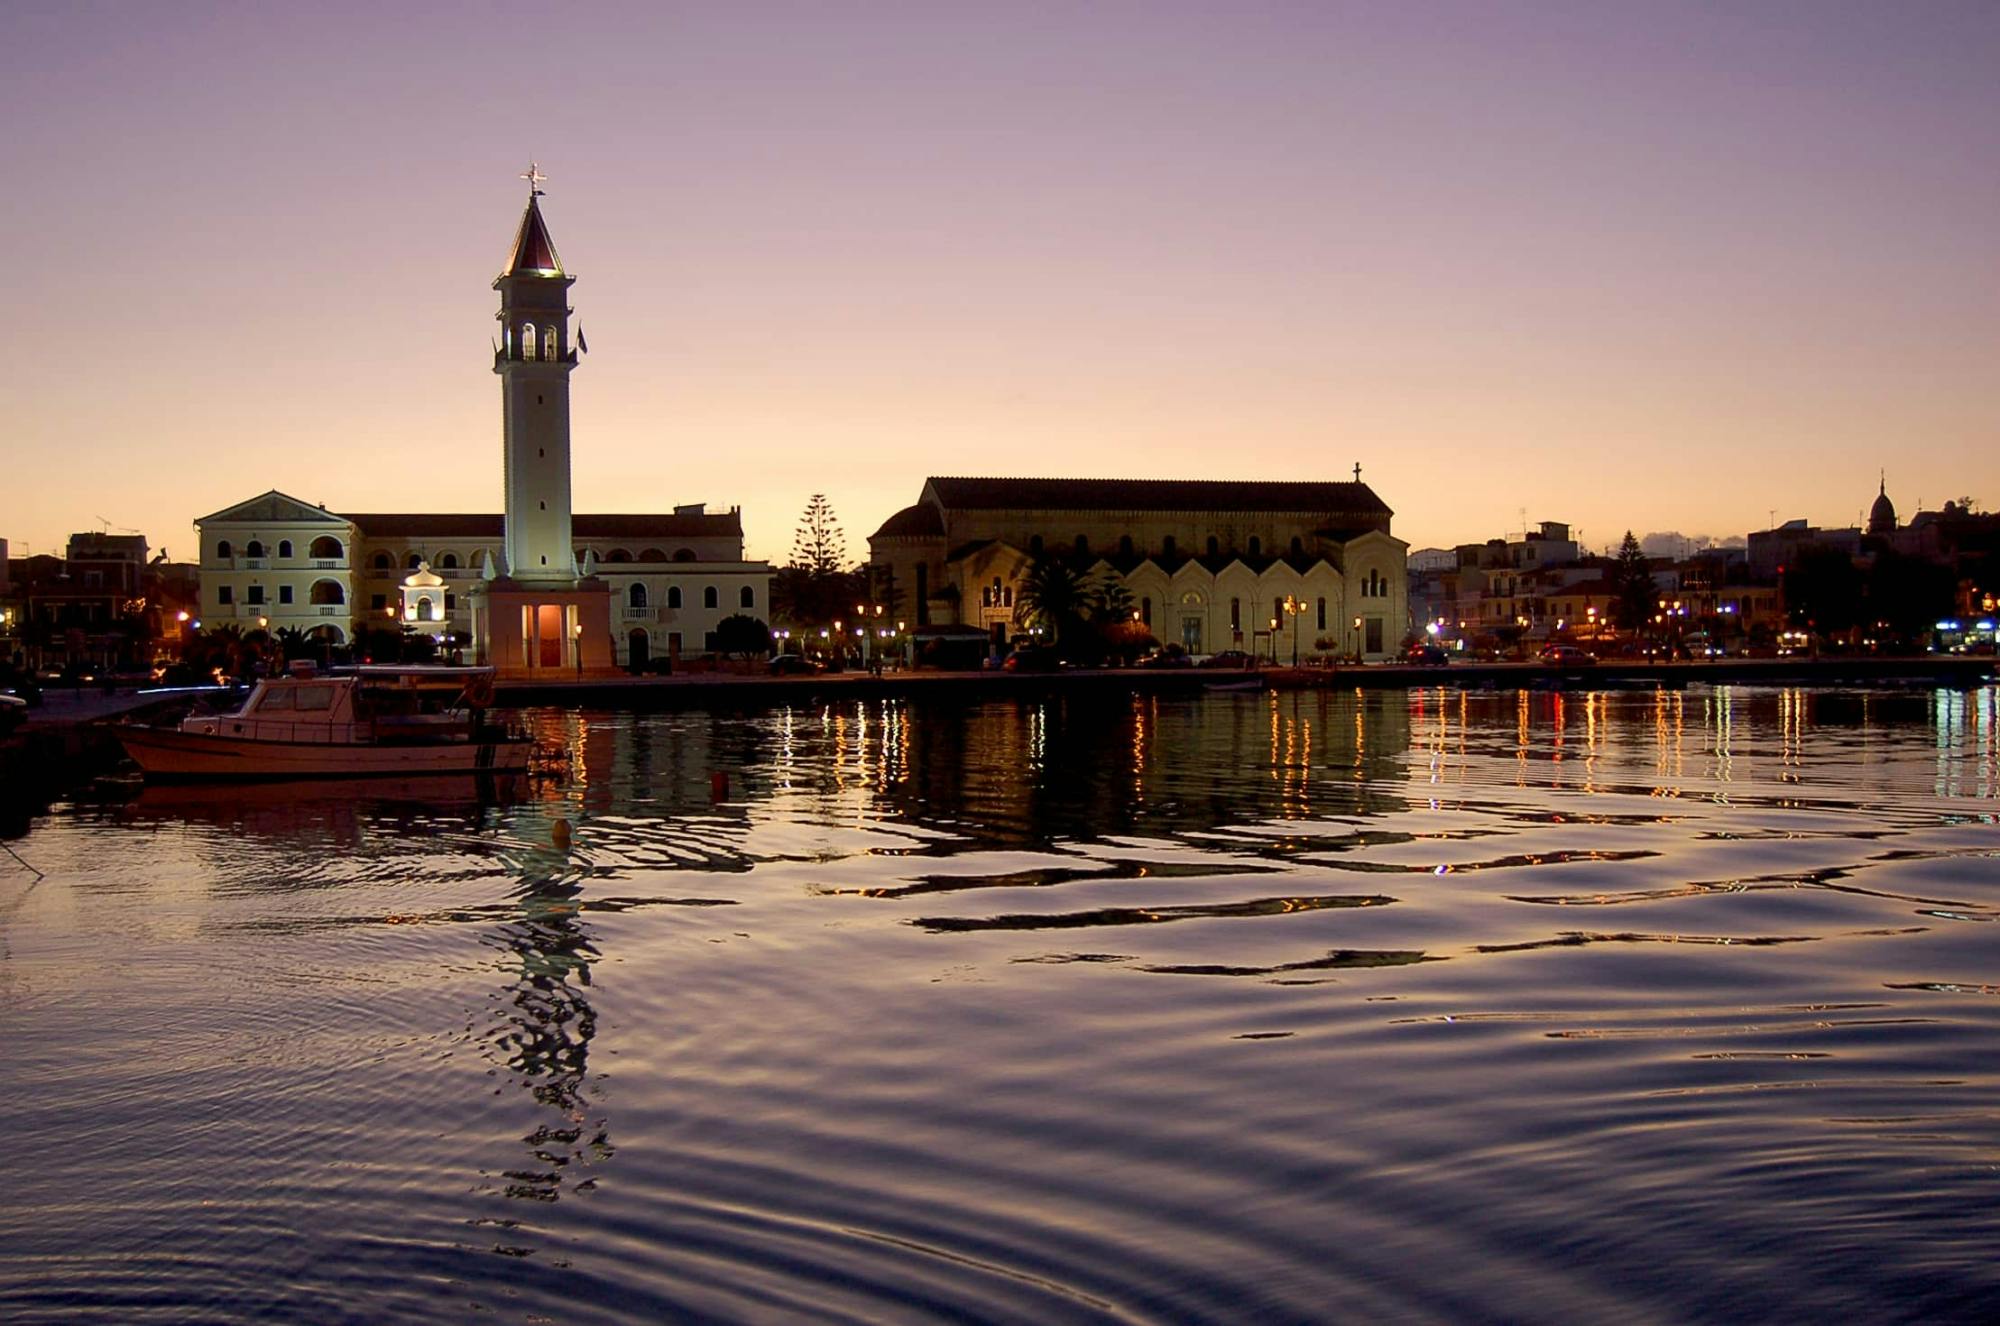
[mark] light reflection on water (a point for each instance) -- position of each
(1445, 1004)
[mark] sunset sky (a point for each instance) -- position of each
(1666, 267)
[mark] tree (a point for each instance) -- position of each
(1822, 590)
(816, 588)
(1052, 596)
(1908, 594)
(819, 547)
(1110, 600)
(742, 635)
(1631, 585)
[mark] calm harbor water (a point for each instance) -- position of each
(1613, 1006)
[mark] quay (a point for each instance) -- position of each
(729, 689)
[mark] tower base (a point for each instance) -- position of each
(544, 632)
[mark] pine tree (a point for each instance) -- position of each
(819, 548)
(1632, 580)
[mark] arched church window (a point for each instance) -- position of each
(618, 555)
(684, 554)
(326, 592)
(449, 561)
(548, 349)
(223, 550)
(323, 546)
(673, 596)
(253, 549)
(635, 596)
(709, 598)
(284, 547)
(652, 555)
(527, 340)
(1214, 545)
(414, 560)
(381, 561)
(1321, 618)
(1124, 545)
(746, 597)
(1256, 546)
(1167, 548)
(1298, 546)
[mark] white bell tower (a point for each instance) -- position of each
(534, 358)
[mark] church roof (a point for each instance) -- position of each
(912, 522)
(534, 251)
(977, 494)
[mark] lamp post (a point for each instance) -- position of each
(576, 637)
(1292, 608)
(1357, 639)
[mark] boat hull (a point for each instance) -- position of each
(163, 753)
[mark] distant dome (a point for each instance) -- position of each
(1882, 516)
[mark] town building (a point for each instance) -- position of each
(106, 605)
(1209, 564)
(534, 589)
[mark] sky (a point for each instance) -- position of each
(1659, 267)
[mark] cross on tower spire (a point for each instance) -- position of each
(1357, 471)
(533, 175)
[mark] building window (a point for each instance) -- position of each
(548, 350)
(1124, 545)
(1146, 610)
(449, 561)
(635, 595)
(747, 597)
(1083, 545)
(327, 592)
(253, 549)
(1167, 548)
(225, 594)
(1214, 546)
(651, 555)
(684, 554)
(451, 603)
(255, 596)
(527, 340)
(1298, 546)
(284, 547)
(223, 550)
(1256, 546)
(414, 561)
(673, 596)
(1236, 615)
(923, 593)
(1035, 545)
(381, 561)
(378, 601)
(709, 598)
(284, 593)
(618, 555)
(673, 642)
(1321, 618)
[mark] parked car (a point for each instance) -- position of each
(13, 712)
(1425, 655)
(795, 665)
(1167, 658)
(1567, 656)
(1033, 658)
(1229, 658)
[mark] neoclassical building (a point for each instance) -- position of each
(536, 588)
(1210, 563)
(278, 561)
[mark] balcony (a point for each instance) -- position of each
(629, 614)
(332, 609)
(329, 563)
(253, 563)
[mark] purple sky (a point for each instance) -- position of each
(1664, 266)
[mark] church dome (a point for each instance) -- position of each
(1882, 516)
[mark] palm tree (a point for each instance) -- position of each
(1110, 600)
(1052, 595)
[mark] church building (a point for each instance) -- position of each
(1211, 564)
(538, 590)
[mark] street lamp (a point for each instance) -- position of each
(1357, 639)
(1292, 607)
(576, 636)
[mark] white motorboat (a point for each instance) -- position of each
(380, 719)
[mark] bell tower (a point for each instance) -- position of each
(538, 616)
(534, 359)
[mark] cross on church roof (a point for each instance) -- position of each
(533, 175)
(1357, 471)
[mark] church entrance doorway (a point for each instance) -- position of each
(638, 650)
(1191, 634)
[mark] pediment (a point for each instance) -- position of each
(273, 508)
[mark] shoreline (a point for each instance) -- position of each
(732, 689)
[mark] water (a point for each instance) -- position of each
(1453, 1006)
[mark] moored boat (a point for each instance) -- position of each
(366, 721)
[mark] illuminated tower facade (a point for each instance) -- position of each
(534, 358)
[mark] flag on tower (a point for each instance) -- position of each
(581, 344)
